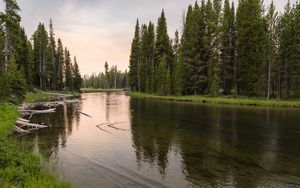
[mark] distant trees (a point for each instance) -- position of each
(24, 64)
(244, 51)
(112, 78)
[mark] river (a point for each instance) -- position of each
(170, 144)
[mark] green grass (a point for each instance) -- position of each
(41, 96)
(18, 166)
(8, 116)
(37, 97)
(93, 90)
(223, 100)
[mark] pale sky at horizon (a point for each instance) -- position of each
(96, 31)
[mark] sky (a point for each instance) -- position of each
(96, 31)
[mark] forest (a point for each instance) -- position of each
(252, 50)
(39, 61)
(112, 78)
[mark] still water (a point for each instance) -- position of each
(169, 144)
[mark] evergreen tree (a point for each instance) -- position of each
(77, 76)
(163, 50)
(40, 43)
(68, 70)
(251, 28)
(228, 54)
(106, 74)
(143, 66)
(272, 49)
(60, 65)
(135, 59)
(12, 20)
(53, 66)
(178, 65)
(194, 51)
(161, 76)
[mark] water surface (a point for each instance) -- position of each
(169, 144)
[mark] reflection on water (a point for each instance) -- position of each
(171, 144)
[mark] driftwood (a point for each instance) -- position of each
(111, 125)
(98, 126)
(85, 114)
(22, 124)
(21, 131)
(120, 129)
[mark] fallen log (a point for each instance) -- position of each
(19, 130)
(32, 125)
(29, 112)
(85, 114)
(114, 127)
(103, 130)
(24, 120)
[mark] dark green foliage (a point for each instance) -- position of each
(17, 83)
(77, 79)
(135, 59)
(163, 52)
(60, 57)
(228, 58)
(161, 76)
(24, 65)
(68, 70)
(252, 39)
(40, 43)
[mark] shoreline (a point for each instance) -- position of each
(240, 101)
(19, 166)
(93, 90)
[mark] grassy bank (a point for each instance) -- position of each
(93, 90)
(223, 100)
(18, 166)
(41, 96)
(37, 97)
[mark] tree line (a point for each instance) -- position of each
(222, 50)
(112, 78)
(39, 62)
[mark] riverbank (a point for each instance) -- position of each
(222, 100)
(19, 167)
(94, 90)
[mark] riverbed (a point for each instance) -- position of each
(170, 144)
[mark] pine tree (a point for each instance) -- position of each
(12, 20)
(251, 28)
(60, 65)
(135, 59)
(77, 76)
(178, 65)
(68, 70)
(228, 48)
(52, 58)
(40, 43)
(194, 52)
(150, 57)
(272, 43)
(214, 42)
(163, 49)
(161, 77)
(143, 66)
(106, 74)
